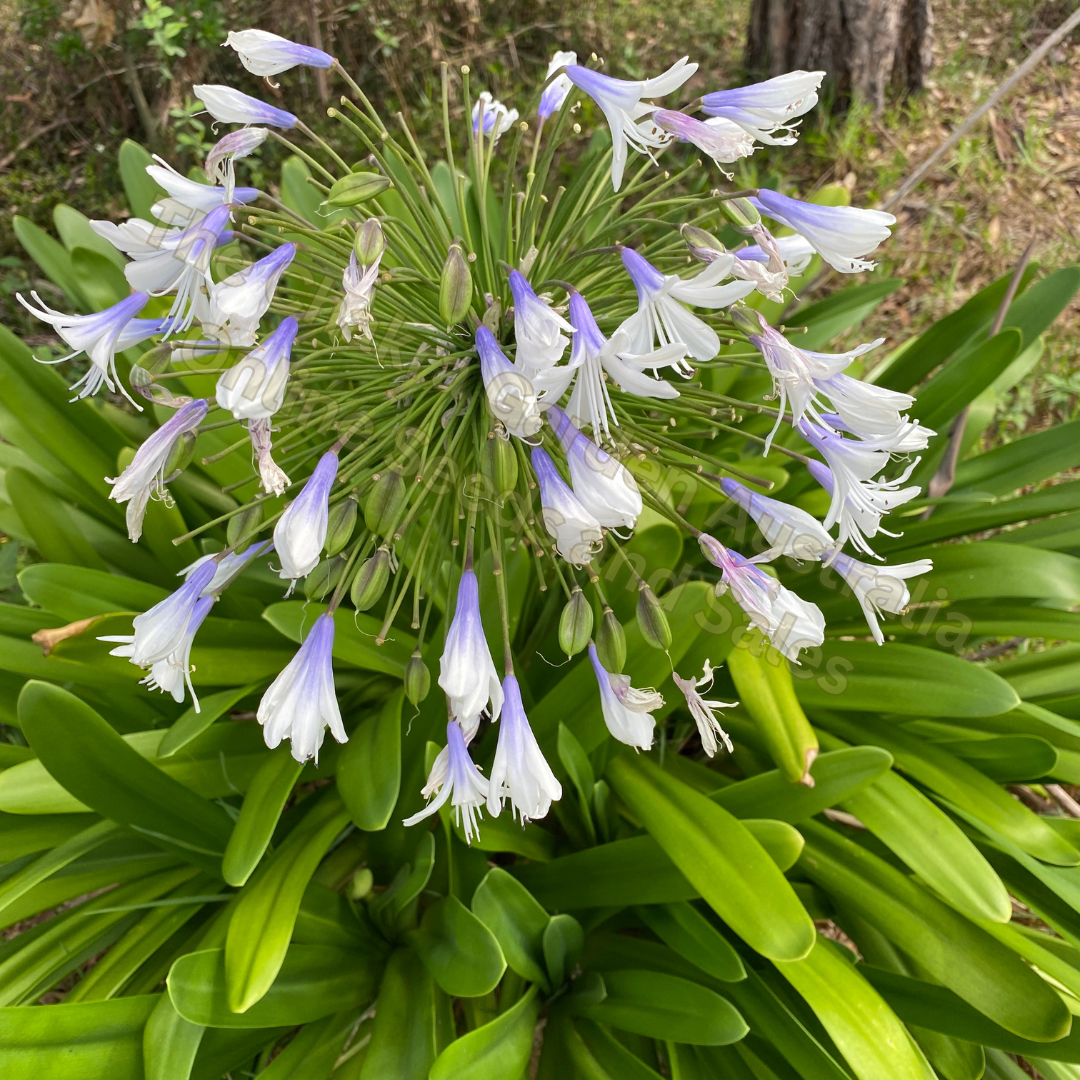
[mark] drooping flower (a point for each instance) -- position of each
(173, 674)
(519, 772)
(467, 673)
(493, 116)
(789, 622)
(720, 139)
(219, 165)
(454, 776)
(229, 106)
(145, 476)
(574, 529)
(858, 500)
(540, 332)
(301, 530)
(908, 437)
(841, 235)
(188, 199)
(789, 530)
(238, 303)
(301, 703)
(879, 588)
(661, 316)
(627, 711)
(554, 95)
(254, 388)
(795, 250)
(510, 394)
(359, 285)
(101, 336)
(601, 483)
(621, 102)
(263, 53)
(766, 110)
(226, 567)
(703, 711)
(865, 409)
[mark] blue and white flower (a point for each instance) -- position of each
(492, 116)
(627, 711)
(576, 532)
(879, 588)
(263, 53)
(220, 165)
(541, 333)
(226, 567)
(867, 410)
(454, 776)
(703, 711)
(188, 199)
(511, 395)
(795, 250)
(300, 532)
(551, 100)
(720, 139)
(238, 303)
(788, 530)
(300, 704)
(229, 106)
(766, 110)
(254, 388)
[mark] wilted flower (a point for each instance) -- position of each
(510, 394)
(254, 388)
(301, 703)
(766, 110)
(627, 712)
(493, 116)
(301, 530)
(454, 776)
(263, 53)
(271, 475)
(795, 250)
(879, 588)
(702, 711)
(554, 95)
(789, 530)
(219, 164)
(238, 303)
(720, 139)
(230, 106)
(576, 532)
(359, 285)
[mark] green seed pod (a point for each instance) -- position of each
(611, 642)
(339, 525)
(157, 359)
(703, 245)
(385, 502)
(740, 212)
(744, 318)
(370, 242)
(360, 884)
(180, 458)
(370, 581)
(651, 620)
(417, 679)
(500, 463)
(140, 378)
(324, 578)
(575, 623)
(356, 188)
(243, 526)
(455, 287)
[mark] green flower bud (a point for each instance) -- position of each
(575, 623)
(182, 452)
(324, 578)
(356, 188)
(455, 287)
(745, 319)
(703, 245)
(500, 463)
(140, 378)
(360, 884)
(385, 502)
(740, 212)
(651, 620)
(157, 359)
(370, 581)
(417, 679)
(369, 243)
(611, 642)
(339, 525)
(243, 526)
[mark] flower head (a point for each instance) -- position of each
(788, 622)
(510, 394)
(703, 711)
(621, 102)
(226, 567)
(519, 772)
(454, 776)
(238, 303)
(254, 388)
(301, 703)
(301, 530)
(229, 106)
(467, 673)
(554, 95)
(263, 53)
(720, 139)
(879, 588)
(145, 476)
(789, 530)
(627, 712)
(766, 110)
(575, 530)
(541, 333)
(188, 199)
(492, 116)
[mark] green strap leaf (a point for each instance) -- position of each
(369, 768)
(499, 1049)
(48, 521)
(403, 1043)
(518, 922)
(461, 953)
(170, 1043)
(693, 937)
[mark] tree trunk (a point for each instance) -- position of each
(868, 47)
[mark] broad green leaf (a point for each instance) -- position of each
(191, 724)
(169, 1042)
(76, 592)
(957, 953)
(610, 1054)
(263, 803)
(99, 769)
(74, 231)
(1038, 306)
(74, 1042)
(354, 636)
(369, 768)
(578, 767)
(99, 279)
(866, 1031)
(665, 1006)
(142, 192)
(503, 833)
(845, 308)
(50, 525)
(314, 981)
(499, 1049)
(461, 953)
(410, 881)
(1008, 759)
(518, 922)
(562, 942)
(1020, 462)
(693, 937)
(262, 923)
(312, 1054)
(718, 856)
(951, 1059)
(52, 258)
(24, 834)
(403, 1040)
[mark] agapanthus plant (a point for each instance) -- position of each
(490, 363)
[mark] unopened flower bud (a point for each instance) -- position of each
(741, 213)
(324, 578)
(339, 525)
(651, 620)
(243, 526)
(455, 287)
(500, 463)
(182, 452)
(385, 502)
(611, 642)
(370, 242)
(744, 319)
(492, 315)
(701, 244)
(575, 623)
(360, 884)
(140, 378)
(370, 581)
(417, 679)
(157, 359)
(357, 188)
